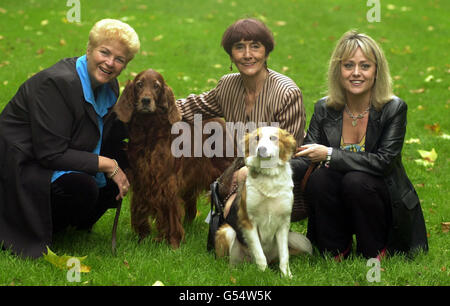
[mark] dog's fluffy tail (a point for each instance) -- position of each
(298, 244)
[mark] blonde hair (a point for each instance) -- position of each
(345, 48)
(112, 29)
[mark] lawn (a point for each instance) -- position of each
(181, 39)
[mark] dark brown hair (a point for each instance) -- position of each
(248, 29)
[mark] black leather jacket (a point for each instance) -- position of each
(382, 157)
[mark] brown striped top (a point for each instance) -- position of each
(279, 102)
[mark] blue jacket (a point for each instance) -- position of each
(47, 126)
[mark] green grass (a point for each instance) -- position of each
(414, 35)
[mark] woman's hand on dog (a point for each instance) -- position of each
(108, 166)
(314, 152)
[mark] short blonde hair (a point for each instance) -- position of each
(345, 48)
(112, 29)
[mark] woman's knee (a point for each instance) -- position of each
(359, 184)
(322, 180)
(79, 186)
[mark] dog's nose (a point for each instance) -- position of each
(262, 151)
(145, 101)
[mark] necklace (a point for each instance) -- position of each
(355, 118)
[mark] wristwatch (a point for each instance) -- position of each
(329, 152)
(327, 161)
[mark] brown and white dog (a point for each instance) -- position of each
(264, 205)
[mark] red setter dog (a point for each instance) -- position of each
(161, 183)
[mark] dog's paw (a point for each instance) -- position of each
(286, 272)
(261, 263)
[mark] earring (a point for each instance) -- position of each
(231, 66)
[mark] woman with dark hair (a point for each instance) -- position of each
(356, 134)
(254, 96)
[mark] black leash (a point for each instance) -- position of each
(114, 229)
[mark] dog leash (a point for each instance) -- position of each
(114, 229)
(306, 176)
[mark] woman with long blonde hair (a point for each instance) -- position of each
(355, 137)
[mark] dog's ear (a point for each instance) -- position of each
(250, 142)
(172, 110)
(246, 144)
(125, 106)
(287, 144)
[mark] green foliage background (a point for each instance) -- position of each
(181, 39)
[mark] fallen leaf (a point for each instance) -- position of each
(44, 22)
(424, 163)
(62, 42)
(232, 279)
(61, 261)
(5, 63)
(445, 227)
(158, 38)
(429, 78)
(445, 136)
(412, 140)
(417, 91)
(280, 23)
(158, 283)
(431, 156)
(125, 262)
(428, 157)
(435, 127)
(390, 7)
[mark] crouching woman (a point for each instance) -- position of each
(356, 134)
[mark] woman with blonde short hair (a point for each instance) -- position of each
(356, 136)
(61, 154)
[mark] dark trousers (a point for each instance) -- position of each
(343, 204)
(77, 201)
